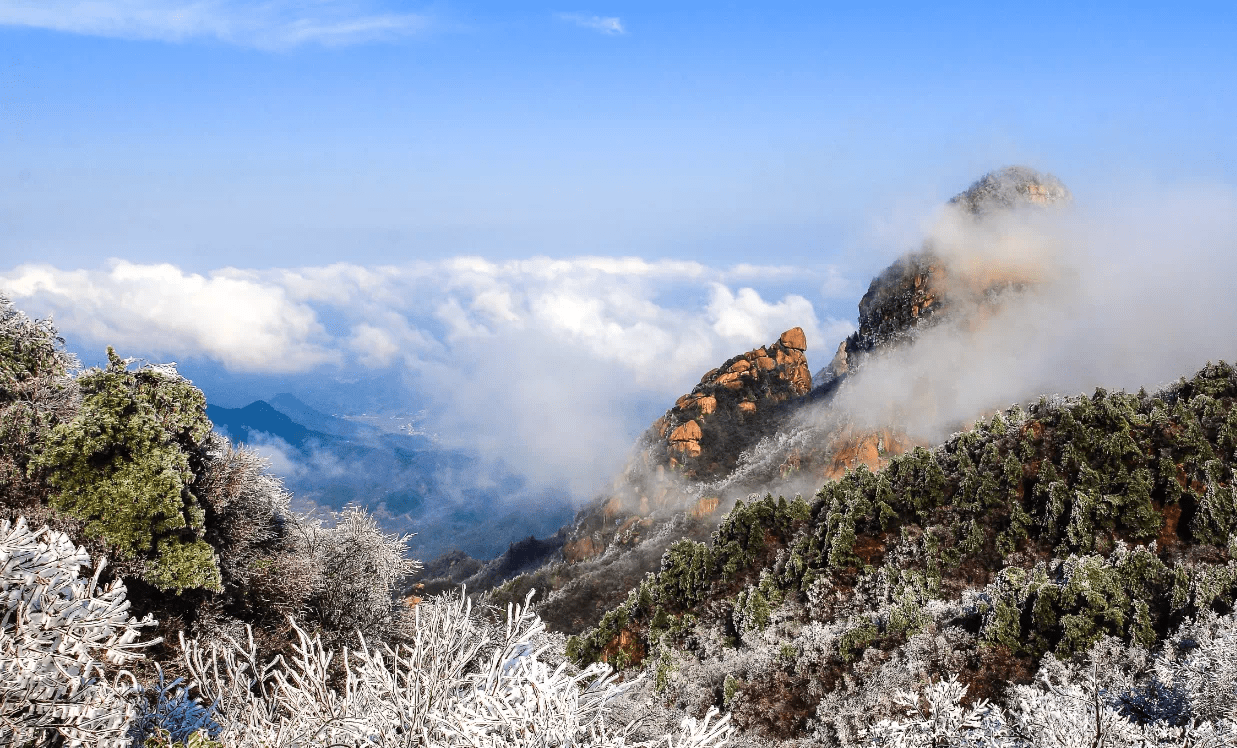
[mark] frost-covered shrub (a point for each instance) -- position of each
(1117, 696)
(869, 689)
(167, 715)
(1200, 664)
(358, 567)
(36, 393)
(937, 718)
(458, 681)
(267, 570)
(1078, 713)
(63, 639)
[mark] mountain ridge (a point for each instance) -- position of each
(754, 423)
(1037, 531)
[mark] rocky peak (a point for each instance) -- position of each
(1009, 188)
(920, 287)
(731, 408)
(682, 478)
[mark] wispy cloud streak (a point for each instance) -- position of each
(277, 24)
(611, 25)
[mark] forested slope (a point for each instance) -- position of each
(1040, 530)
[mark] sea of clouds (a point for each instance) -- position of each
(552, 365)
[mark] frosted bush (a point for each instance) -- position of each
(1186, 696)
(937, 718)
(457, 681)
(1200, 663)
(1071, 715)
(63, 639)
(358, 567)
(168, 714)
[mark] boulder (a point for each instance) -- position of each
(794, 339)
(689, 431)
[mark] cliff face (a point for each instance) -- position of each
(700, 439)
(732, 408)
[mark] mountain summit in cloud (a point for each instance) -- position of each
(1009, 188)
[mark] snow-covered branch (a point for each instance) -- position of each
(63, 640)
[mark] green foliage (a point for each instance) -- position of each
(1067, 605)
(1198, 587)
(857, 638)
(754, 605)
(747, 531)
(161, 738)
(36, 393)
(29, 350)
(1054, 508)
(662, 673)
(593, 645)
(907, 617)
(124, 466)
(686, 572)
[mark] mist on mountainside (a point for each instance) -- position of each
(449, 498)
(1016, 291)
(1123, 293)
(1030, 300)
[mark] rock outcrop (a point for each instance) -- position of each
(922, 288)
(1010, 188)
(733, 407)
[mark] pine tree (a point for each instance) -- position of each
(123, 466)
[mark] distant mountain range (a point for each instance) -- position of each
(450, 498)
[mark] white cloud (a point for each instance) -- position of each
(160, 310)
(281, 456)
(373, 346)
(1132, 290)
(274, 24)
(611, 25)
(550, 363)
(747, 319)
(838, 286)
(653, 318)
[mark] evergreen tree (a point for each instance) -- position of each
(123, 466)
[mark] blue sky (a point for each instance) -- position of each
(715, 132)
(572, 209)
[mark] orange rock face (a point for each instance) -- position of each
(686, 448)
(794, 339)
(612, 508)
(801, 379)
(739, 398)
(689, 431)
(705, 506)
(848, 450)
(581, 549)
